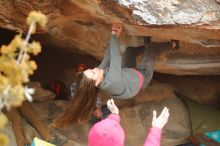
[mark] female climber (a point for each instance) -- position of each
(118, 77)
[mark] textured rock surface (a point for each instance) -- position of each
(155, 91)
(30, 132)
(136, 119)
(190, 59)
(203, 90)
(174, 11)
(84, 26)
(176, 131)
(40, 94)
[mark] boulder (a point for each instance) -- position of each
(136, 120)
(200, 89)
(40, 94)
(29, 131)
(84, 26)
(155, 91)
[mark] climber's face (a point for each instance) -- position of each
(95, 74)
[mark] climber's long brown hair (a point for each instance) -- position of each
(82, 105)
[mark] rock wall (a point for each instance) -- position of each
(174, 11)
(84, 26)
(136, 120)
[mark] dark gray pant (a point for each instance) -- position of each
(147, 62)
(146, 65)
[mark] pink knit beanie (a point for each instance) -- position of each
(107, 132)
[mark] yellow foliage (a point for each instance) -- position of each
(15, 68)
(3, 140)
(7, 49)
(3, 120)
(17, 41)
(17, 91)
(32, 65)
(36, 16)
(34, 48)
(3, 81)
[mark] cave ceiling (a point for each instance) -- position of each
(84, 26)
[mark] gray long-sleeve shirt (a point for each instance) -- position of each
(118, 82)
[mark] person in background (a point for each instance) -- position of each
(109, 132)
(79, 70)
